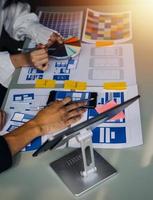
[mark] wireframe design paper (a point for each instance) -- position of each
(115, 133)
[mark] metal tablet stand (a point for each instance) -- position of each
(83, 168)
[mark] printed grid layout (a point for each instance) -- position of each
(101, 134)
(66, 23)
(110, 134)
(107, 27)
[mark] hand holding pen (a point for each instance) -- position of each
(38, 56)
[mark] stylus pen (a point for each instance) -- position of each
(27, 50)
(81, 100)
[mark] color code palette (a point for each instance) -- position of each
(107, 26)
(70, 48)
(66, 23)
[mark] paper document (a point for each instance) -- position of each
(59, 70)
(94, 65)
(23, 104)
(98, 65)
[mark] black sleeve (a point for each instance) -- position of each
(5, 155)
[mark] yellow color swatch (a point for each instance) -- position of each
(104, 43)
(81, 85)
(115, 86)
(40, 83)
(50, 83)
(71, 85)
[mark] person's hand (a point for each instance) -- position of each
(55, 37)
(59, 115)
(2, 119)
(39, 58)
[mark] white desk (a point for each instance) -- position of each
(33, 179)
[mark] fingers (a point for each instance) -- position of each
(74, 113)
(42, 62)
(67, 108)
(39, 58)
(42, 53)
(60, 115)
(75, 105)
(55, 37)
(60, 104)
(73, 120)
(70, 113)
(43, 67)
(65, 101)
(40, 46)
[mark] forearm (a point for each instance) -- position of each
(22, 136)
(20, 60)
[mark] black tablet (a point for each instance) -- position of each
(92, 123)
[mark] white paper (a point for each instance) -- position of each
(105, 64)
(94, 65)
(59, 70)
(19, 112)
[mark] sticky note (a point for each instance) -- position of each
(50, 83)
(40, 83)
(104, 43)
(102, 108)
(71, 85)
(115, 86)
(81, 85)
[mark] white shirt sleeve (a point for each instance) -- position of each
(6, 69)
(20, 23)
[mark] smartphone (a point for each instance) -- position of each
(76, 96)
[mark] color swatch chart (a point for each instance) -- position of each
(70, 48)
(66, 23)
(107, 26)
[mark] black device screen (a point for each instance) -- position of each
(90, 97)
